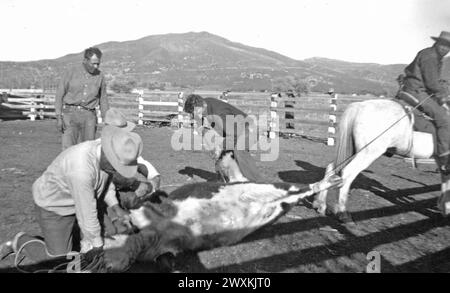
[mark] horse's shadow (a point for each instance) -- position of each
(402, 203)
(191, 262)
(316, 255)
(312, 173)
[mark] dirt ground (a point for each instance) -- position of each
(391, 203)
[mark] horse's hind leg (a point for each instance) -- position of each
(361, 161)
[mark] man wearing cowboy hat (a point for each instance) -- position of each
(129, 190)
(72, 186)
(148, 178)
(422, 83)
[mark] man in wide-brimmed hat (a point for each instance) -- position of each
(422, 84)
(147, 173)
(129, 190)
(70, 189)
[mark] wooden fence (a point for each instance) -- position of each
(313, 116)
(19, 105)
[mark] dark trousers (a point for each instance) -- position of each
(247, 166)
(441, 121)
(81, 125)
(59, 233)
(245, 161)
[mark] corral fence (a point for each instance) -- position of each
(17, 105)
(313, 116)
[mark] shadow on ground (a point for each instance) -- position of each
(190, 171)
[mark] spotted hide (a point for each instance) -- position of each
(205, 215)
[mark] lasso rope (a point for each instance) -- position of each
(18, 258)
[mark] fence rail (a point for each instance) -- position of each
(314, 115)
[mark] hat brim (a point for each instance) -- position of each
(130, 126)
(443, 41)
(107, 134)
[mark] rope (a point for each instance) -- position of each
(174, 185)
(332, 171)
(18, 259)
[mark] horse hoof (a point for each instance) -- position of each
(319, 207)
(344, 217)
(444, 208)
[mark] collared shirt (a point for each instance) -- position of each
(72, 184)
(79, 87)
(424, 73)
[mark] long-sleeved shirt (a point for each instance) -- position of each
(72, 184)
(424, 73)
(217, 114)
(79, 87)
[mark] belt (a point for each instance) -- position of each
(78, 107)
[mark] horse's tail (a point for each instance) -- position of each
(345, 143)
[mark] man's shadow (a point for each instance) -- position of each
(207, 175)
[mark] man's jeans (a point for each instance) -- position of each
(58, 233)
(81, 125)
(441, 122)
(245, 161)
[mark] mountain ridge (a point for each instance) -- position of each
(206, 61)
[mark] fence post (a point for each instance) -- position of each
(39, 106)
(4, 98)
(273, 125)
(332, 119)
(224, 96)
(32, 114)
(180, 109)
(99, 115)
(141, 109)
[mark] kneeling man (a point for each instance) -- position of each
(69, 190)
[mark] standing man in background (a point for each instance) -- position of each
(80, 91)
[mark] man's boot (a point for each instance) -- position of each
(444, 164)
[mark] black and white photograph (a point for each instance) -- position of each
(238, 138)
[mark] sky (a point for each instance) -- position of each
(377, 31)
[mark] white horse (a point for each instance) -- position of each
(366, 131)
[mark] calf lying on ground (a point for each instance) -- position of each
(204, 215)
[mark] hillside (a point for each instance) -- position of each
(204, 60)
